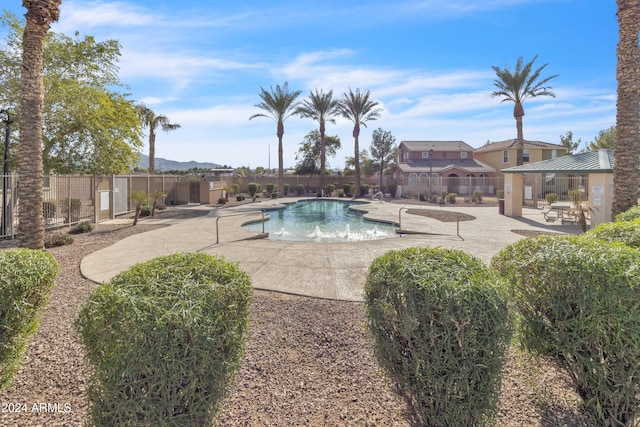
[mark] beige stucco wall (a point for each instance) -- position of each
(600, 197)
(513, 193)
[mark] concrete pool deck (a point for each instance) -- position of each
(323, 270)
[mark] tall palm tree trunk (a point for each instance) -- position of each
(626, 177)
(322, 158)
(152, 151)
(356, 134)
(31, 221)
(518, 113)
(280, 186)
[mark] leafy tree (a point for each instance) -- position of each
(626, 173)
(383, 149)
(606, 139)
(152, 121)
(367, 165)
(517, 86)
(359, 109)
(321, 107)
(40, 14)
(88, 126)
(570, 146)
(279, 105)
(308, 157)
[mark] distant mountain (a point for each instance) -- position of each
(164, 164)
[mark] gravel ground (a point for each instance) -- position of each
(307, 362)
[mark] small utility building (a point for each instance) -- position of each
(595, 167)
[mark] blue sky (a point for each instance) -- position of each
(428, 63)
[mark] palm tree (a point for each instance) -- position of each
(279, 104)
(40, 14)
(359, 109)
(150, 119)
(627, 146)
(518, 86)
(321, 107)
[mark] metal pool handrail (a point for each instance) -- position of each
(236, 214)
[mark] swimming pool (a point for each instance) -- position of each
(322, 221)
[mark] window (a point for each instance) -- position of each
(526, 155)
(405, 155)
(425, 154)
(505, 156)
(554, 154)
(463, 154)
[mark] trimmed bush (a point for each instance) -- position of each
(578, 298)
(627, 232)
(329, 189)
(270, 188)
(53, 240)
(25, 284)
(551, 197)
(393, 190)
(188, 315)
(348, 189)
(451, 197)
(629, 214)
(253, 188)
(49, 211)
(500, 194)
(299, 189)
(70, 209)
(476, 196)
(364, 189)
(441, 327)
(286, 189)
(81, 228)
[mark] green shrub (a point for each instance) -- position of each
(25, 284)
(81, 228)
(576, 196)
(627, 232)
(253, 188)
(364, 189)
(49, 209)
(299, 189)
(348, 189)
(234, 189)
(578, 298)
(551, 197)
(393, 190)
(441, 327)
(500, 194)
(270, 188)
(451, 197)
(329, 189)
(188, 315)
(240, 197)
(70, 209)
(443, 194)
(286, 189)
(476, 196)
(53, 240)
(629, 214)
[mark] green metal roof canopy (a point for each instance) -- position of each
(600, 161)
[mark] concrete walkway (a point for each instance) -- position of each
(323, 270)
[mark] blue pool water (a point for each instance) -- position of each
(321, 221)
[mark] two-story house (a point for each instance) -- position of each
(502, 154)
(430, 167)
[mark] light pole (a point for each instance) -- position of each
(5, 171)
(430, 172)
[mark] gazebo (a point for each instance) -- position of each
(597, 165)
